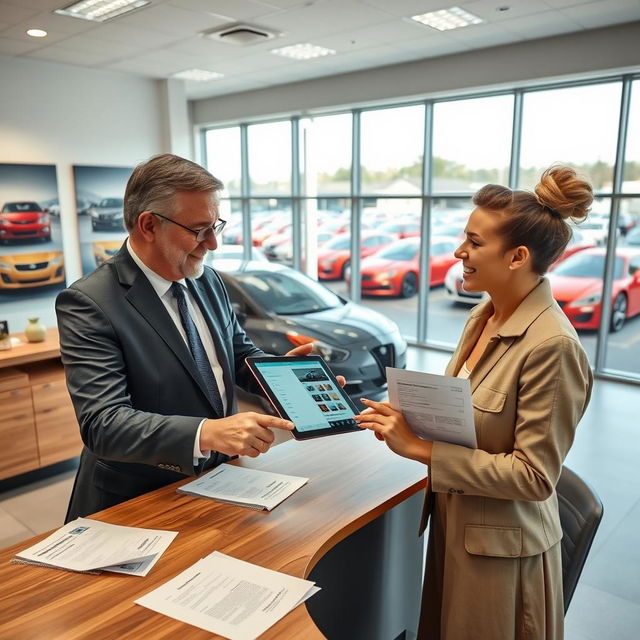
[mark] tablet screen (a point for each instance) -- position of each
(308, 394)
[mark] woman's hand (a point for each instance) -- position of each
(389, 425)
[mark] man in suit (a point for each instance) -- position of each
(152, 348)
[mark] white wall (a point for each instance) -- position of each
(586, 53)
(65, 115)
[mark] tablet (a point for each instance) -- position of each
(305, 391)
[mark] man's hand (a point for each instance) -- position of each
(243, 434)
(302, 350)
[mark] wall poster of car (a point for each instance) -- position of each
(31, 252)
(99, 203)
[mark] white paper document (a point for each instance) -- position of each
(233, 598)
(245, 487)
(436, 407)
(91, 545)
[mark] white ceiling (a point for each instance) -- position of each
(162, 38)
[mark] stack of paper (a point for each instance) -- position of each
(233, 598)
(245, 487)
(91, 545)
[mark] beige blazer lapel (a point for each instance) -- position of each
(530, 308)
(470, 335)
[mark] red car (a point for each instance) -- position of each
(394, 271)
(577, 286)
(334, 256)
(24, 221)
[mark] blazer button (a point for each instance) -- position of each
(452, 490)
(460, 491)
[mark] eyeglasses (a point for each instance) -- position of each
(201, 234)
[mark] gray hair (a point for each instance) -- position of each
(155, 182)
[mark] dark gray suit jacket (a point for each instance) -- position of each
(136, 391)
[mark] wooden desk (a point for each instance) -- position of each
(31, 351)
(38, 425)
(354, 482)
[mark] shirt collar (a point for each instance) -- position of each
(159, 284)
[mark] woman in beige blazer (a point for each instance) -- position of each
(493, 561)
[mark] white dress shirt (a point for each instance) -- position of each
(163, 288)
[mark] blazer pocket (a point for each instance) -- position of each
(488, 399)
(497, 542)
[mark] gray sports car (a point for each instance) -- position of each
(281, 308)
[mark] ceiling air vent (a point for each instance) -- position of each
(239, 34)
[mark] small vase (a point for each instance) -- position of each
(35, 330)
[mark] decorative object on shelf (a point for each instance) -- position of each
(35, 330)
(5, 340)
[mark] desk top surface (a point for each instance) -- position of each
(353, 479)
(31, 351)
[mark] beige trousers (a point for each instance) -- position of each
(473, 597)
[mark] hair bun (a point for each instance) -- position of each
(564, 193)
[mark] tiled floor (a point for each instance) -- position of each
(606, 453)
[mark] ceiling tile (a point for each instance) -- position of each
(542, 25)
(604, 12)
(408, 8)
(198, 46)
(13, 47)
(331, 16)
(169, 19)
(60, 54)
(228, 10)
(86, 43)
(488, 9)
(12, 14)
(39, 5)
(122, 34)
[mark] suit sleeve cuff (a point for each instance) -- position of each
(198, 455)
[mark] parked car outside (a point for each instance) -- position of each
(233, 252)
(401, 229)
(24, 220)
(107, 214)
(283, 251)
(395, 269)
(25, 270)
(595, 228)
(334, 256)
(576, 284)
(102, 251)
(454, 282)
(632, 239)
(281, 308)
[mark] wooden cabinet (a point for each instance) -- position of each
(55, 420)
(18, 443)
(38, 425)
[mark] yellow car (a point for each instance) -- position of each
(31, 270)
(104, 250)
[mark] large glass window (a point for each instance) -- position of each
(576, 126)
(270, 158)
(631, 179)
(623, 343)
(392, 142)
(223, 158)
(325, 153)
(471, 143)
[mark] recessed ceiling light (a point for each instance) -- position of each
(445, 19)
(303, 51)
(36, 33)
(199, 75)
(101, 10)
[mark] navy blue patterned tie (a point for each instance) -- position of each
(197, 349)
